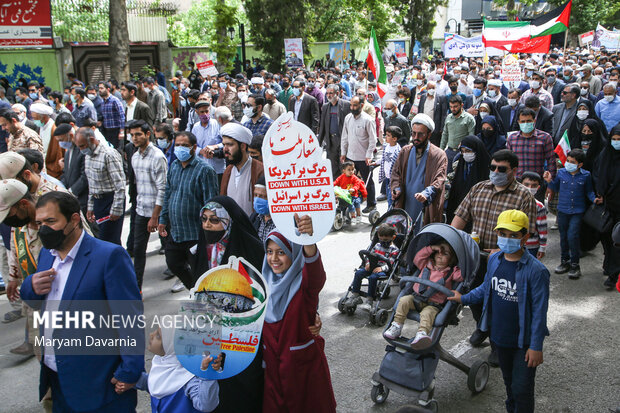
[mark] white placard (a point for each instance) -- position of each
(299, 180)
(511, 71)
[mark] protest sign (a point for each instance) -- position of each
(511, 71)
(230, 301)
(294, 53)
(401, 57)
(455, 46)
(26, 24)
(586, 38)
(206, 68)
(299, 180)
(338, 53)
(608, 39)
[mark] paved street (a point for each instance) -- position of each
(580, 372)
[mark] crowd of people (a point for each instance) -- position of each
(183, 154)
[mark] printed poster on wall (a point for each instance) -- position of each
(294, 53)
(299, 180)
(229, 301)
(336, 52)
(26, 24)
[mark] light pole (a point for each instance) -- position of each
(231, 33)
(458, 26)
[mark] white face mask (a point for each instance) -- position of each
(613, 83)
(91, 96)
(610, 98)
(483, 114)
(582, 114)
(431, 92)
(535, 84)
(512, 102)
(491, 93)
(469, 156)
(533, 190)
(584, 91)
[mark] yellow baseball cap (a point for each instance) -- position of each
(512, 220)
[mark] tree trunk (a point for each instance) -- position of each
(119, 41)
(222, 37)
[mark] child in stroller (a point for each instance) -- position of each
(385, 248)
(438, 264)
(356, 187)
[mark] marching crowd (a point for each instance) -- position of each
(184, 156)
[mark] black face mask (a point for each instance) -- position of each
(453, 88)
(488, 133)
(52, 239)
(285, 84)
(385, 244)
(16, 222)
(211, 237)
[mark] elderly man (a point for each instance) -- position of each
(494, 94)
(73, 177)
(357, 143)
(208, 136)
(242, 172)
(419, 173)
(536, 89)
(273, 107)
(586, 76)
(608, 109)
(394, 118)
(41, 114)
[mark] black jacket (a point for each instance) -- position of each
(308, 112)
(504, 113)
(344, 108)
(74, 177)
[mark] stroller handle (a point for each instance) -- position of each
(428, 283)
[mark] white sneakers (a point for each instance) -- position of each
(177, 287)
(421, 341)
(358, 219)
(393, 332)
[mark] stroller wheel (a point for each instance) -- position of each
(379, 394)
(478, 376)
(381, 317)
(341, 307)
(373, 217)
(350, 310)
(338, 221)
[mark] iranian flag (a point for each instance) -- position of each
(502, 34)
(375, 64)
(556, 21)
(563, 147)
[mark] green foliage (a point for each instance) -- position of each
(417, 20)
(225, 17)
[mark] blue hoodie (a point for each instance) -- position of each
(533, 290)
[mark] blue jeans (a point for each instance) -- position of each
(360, 274)
(388, 192)
(356, 202)
(569, 226)
(518, 379)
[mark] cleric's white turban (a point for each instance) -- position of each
(237, 132)
(41, 109)
(425, 120)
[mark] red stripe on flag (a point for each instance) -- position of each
(565, 16)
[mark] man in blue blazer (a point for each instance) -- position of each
(73, 267)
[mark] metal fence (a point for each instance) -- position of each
(89, 20)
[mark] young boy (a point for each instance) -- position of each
(536, 243)
(439, 261)
(574, 186)
(349, 181)
(391, 149)
(515, 298)
(384, 247)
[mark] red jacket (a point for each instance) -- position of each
(297, 378)
(348, 182)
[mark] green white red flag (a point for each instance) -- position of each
(563, 147)
(375, 64)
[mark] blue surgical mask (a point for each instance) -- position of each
(492, 93)
(526, 127)
(223, 85)
(162, 143)
(508, 245)
(183, 103)
(65, 145)
(477, 92)
(34, 96)
(615, 145)
(87, 151)
(296, 91)
(73, 99)
(530, 73)
(570, 167)
(182, 153)
(499, 178)
(261, 206)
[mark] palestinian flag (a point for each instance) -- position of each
(502, 34)
(563, 147)
(375, 64)
(556, 21)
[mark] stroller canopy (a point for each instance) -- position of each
(467, 250)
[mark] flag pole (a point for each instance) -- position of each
(565, 39)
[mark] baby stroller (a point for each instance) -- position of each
(401, 221)
(412, 372)
(344, 202)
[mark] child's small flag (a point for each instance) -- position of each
(563, 147)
